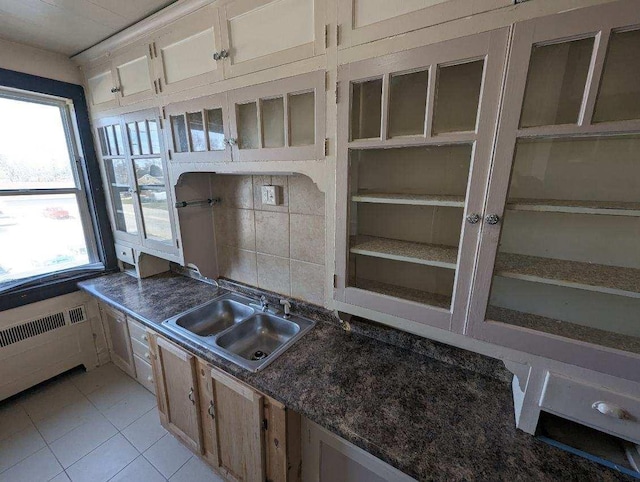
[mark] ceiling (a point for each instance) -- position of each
(70, 26)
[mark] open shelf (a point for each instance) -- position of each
(573, 274)
(564, 328)
(411, 294)
(610, 208)
(419, 253)
(409, 199)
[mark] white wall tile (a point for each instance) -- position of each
(307, 238)
(272, 233)
(273, 274)
(305, 197)
(307, 281)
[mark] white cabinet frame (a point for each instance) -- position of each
(490, 46)
(595, 22)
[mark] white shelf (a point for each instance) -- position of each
(609, 208)
(409, 199)
(411, 294)
(419, 253)
(564, 328)
(573, 274)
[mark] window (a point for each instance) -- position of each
(46, 226)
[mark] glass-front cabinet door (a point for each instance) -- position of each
(559, 269)
(415, 137)
(134, 169)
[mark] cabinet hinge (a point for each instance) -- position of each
(335, 280)
(164, 113)
(338, 34)
(337, 92)
(265, 424)
(326, 80)
(160, 84)
(160, 121)
(169, 154)
(150, 52)
(326, 146)
(178, 243)
(155, 52)
(326, 36)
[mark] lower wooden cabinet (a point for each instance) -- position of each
(117, 331)
(243, 434)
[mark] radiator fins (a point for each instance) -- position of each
(32, 328)
(77, 315)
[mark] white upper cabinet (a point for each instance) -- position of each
(101, 86)
(133, 72)
(259, 34)
(363, 21)
(558, 271)
(186, 52)
(415, 133)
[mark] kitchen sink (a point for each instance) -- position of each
(214, 317)
(259, 336)
(240, 330)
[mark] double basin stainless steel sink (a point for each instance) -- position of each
(231, 327)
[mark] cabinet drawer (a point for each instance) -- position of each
(578, 401)
(141, 350)
(124, 254)
(138, 333)
(144, 373)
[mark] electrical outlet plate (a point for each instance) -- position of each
(271, 195)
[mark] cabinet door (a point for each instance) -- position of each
(238, 426)
(115, 323)
(185, 52)
(117, 176)
(363, 21)
(415, 133)
(558, 271)
(259, 34)
(102, 87)
(176, 381)
(279, 120)
(133, 72)
(198, 130)
(152, 193)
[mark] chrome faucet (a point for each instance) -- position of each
(264, 304)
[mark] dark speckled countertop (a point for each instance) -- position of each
(431, 419)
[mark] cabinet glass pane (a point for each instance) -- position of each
(408, 103)
(619, 95)
(144, 137)
(153, 198)
(302, 126)
(114, 136)
(121, 198)
(555, 83)
(405, 220)
(196, 131)
(215, 129)
(154, 136)
(248, 126)
(457, 97)
(568, 261)
(180, 142)
(272, 115)
(134, 142)
(366, 109)
(102, 139)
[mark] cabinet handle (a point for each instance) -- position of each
(150, 379)
(115, 89)
(211, 410)
(492, 219)
(147, 355)
(610, 410)
(145, 337)
(160, 85)
(232, 141)
(473, 218)
(223, 54)
(193, 400)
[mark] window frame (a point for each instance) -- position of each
(88, 185)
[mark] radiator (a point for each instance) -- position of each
(36, 348)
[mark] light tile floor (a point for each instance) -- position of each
(91, 426)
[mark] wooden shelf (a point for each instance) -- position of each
(409, 199)
(610, 208)
(420, 253)
(564, 328)
(573, 274)
(411, 294)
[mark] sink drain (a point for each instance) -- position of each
(259, 355)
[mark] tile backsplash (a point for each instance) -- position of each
(277, 248)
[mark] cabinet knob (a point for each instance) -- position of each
(473, 218)
(223, 54)
(150, 379)
(492, 219)
(232, 141)
(211, 410)
(193, 400)
(610, 410)
(145, 337)
(115, 89)
(147, 355)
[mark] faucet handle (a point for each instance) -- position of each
(287, 308)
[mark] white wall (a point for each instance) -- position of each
(31, 60)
